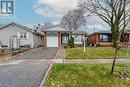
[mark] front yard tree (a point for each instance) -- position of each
(115, 13)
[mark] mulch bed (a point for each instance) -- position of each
(4, 52)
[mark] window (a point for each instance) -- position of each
(104, 38)
(64, 39)
(23, 35)
(77, 38)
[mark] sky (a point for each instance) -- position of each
(29, 12)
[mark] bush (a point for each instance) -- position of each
(71, 42)
(15, 49)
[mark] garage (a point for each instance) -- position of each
(53, 36)
(52, 40)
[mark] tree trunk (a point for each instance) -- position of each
(116, 43)
(114, 61)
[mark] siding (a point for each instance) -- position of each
(8, 31)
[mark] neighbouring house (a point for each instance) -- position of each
(26, 37)
(58, 35)
(104, 37)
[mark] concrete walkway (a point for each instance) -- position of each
(94, 60)
(60, 53)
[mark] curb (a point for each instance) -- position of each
(45, 77)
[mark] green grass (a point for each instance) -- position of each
(85, 75)
(94, 52)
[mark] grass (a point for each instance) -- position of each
(85, 75)
(94, 52)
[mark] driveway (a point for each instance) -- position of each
(39, 53)
(28, 69)
(22, 74)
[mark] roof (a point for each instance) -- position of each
(19, 25)
(79, 32)
(23, 27)
(56, 29)
(101, 32)
(104, 31)
(62, 29)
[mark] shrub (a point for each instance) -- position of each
(71, 42)
(15, 49)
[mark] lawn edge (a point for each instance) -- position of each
(46, 76)
(96, 58)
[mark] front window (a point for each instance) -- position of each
(64, 39)
(77, 38)
(23, 35)
(104, 38)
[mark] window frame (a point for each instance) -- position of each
(102, 38)
(23, 35)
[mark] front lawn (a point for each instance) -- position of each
(94, 52)
(86, 75)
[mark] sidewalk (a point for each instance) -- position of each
(60, 58)
(94, 60)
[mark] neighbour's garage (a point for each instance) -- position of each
(52, 40)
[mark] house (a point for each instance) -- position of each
(104, 37)
(14, 34)
(58, 35)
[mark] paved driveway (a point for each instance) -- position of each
(28, 69)
(39, 53)
(22, 75)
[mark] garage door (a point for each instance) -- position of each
(52, 41)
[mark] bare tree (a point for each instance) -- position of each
(115, 13)
(74, 19)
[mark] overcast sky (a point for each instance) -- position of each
(28, 12)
